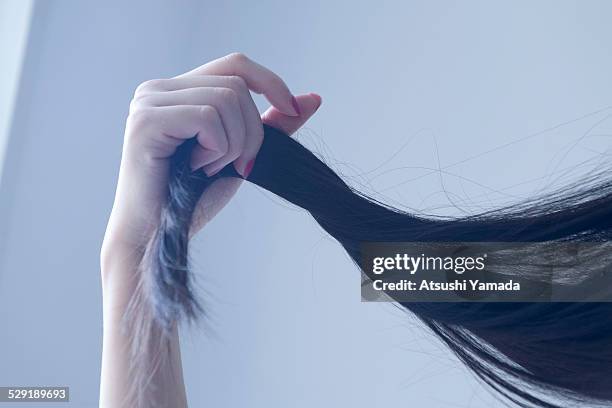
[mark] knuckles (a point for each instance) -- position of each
(143, 117)
(143, 90)
(140, 120)
(149, 86)
(237, 83)
(227, 95)
(208, 113)
(237, 58)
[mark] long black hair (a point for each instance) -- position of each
(534, 354)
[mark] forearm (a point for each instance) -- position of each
(118, 378)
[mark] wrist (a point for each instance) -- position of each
(120, 256)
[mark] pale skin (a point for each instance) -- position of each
(213, 102)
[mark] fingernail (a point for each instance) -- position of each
(294, 102)
(248, 168)
(318, 98)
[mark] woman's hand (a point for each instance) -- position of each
(212, 102)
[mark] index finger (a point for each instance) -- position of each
(258, 78)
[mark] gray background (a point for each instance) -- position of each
(407, 86)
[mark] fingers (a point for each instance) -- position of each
(214, 90)
(258, 78)
(212, 138)
(214, 102)
(224, 100)
(308, 105)
(165, 128)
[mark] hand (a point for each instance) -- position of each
(212, 102)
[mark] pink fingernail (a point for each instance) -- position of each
(248, 168)
(294, 102)
(318, 99)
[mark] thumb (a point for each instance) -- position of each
(307, 104)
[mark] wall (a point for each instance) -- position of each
(14, 28)
(445, 107)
